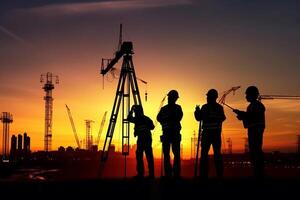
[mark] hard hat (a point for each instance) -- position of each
(173, 93)
(252, 90)
(212, 93)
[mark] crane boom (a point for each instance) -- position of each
(272, 97)
(223, 97)
(101, 128)
(73, 127)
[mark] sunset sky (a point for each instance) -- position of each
(187, 45)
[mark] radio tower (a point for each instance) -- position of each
(48, 79)
(6, 119)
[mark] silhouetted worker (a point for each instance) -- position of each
(212, 115)
(142, 129)
(169, 117)
(254, 120)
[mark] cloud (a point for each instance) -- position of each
(13, 36)
(11, 92)
(284, 105)
(103, 6)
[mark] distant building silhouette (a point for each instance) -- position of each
(112, 148)
(61, 149)
(94, 148)
(19, 143)
(26, 144)
(13, 146)
(69, 149)
(20, 146)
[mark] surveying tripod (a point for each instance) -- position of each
(127, 86)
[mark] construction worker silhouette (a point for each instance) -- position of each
(142, 130)
(254, 120)
(169, 117)
(212, 116)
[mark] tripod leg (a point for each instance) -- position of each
(114, 116)
(197, 152)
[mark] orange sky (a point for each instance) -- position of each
(190, 46)
(90, 101)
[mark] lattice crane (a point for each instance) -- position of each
(101, 128)
(226, 93)
(49, 80)
(73, 126)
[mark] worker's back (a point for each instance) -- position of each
(255, 115)
(212, 115)
(170, 117)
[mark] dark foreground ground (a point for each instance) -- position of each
(131, 188)
(71, 176)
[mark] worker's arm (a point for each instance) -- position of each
(197, 113)
(241, 115)
(160, 116)
(222, 117)
(150, 124)
(130, 115)
(180, 114)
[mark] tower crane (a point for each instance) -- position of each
(48, 80)
(127, 86)
(73, 126)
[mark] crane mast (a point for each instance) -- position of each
(73, 126)
(48, 80)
